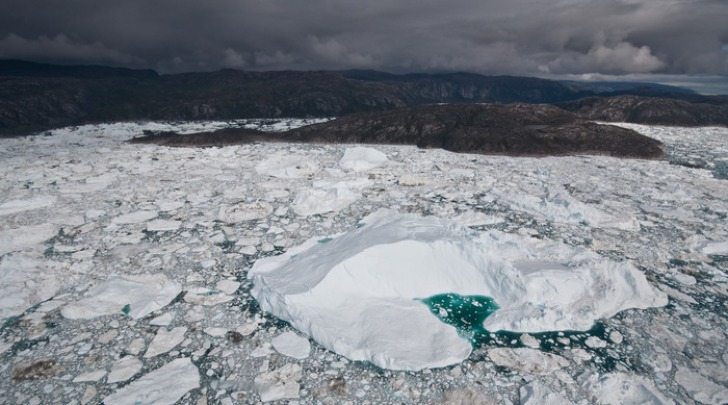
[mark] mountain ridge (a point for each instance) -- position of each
(36, 97)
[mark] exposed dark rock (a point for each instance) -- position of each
(35, 97)
(223, 137)
(692, 111)
(37, 370)
(512, 129)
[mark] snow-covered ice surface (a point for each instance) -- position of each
(380, 270)
(124, 268)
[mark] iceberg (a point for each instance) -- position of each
(363, 293)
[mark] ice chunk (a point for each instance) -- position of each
(135, 217)
(716, 248)
(136, 296)
(90, 376)
(161, 225)
(292, 345)
(701, 388)
(166, 385)
(244, 212)
(15, 206)
(24, 237)
(361, 159)
(25, 282)
(359, 293)
(622, 389)
(526, 360)
(556, 205)
(537, 393)
(124, 369)
(288, 167)
(165, 341)
(279, 384)
(320, 201)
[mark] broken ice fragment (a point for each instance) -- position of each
(140, 295)
(16, 206)
(361, 159)
(526, 360)
(25, 237)
(166, 385)
(279, 384)
(124, 369)
(135, 217)
(291, 345)
(25, 282)
(206, 296)
(165, 341)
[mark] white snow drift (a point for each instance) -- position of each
(357, 293)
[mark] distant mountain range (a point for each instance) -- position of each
(36, 97)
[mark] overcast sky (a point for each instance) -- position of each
(531, 37)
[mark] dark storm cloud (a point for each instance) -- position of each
(517, 36)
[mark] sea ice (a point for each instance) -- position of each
(292, 345)
(135, 217)
(287, 166)
(124, 369)
(622, 389)
(25, 237)
(16, 206)
(279, 384)
(165, 341)
(701, 388)
(526, 360)
(326, 197)
(166, 385)
(136, 296)
(25, 282)
(537, 393)
(362, 159)
(244, 212)
(359, 293)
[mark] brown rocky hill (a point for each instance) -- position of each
(690, 111)
(500, 129)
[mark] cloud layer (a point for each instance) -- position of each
(516, 36)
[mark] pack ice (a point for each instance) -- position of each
(359, 293)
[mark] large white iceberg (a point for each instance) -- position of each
(358, 293)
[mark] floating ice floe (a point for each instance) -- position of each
(621, 389)
(166, 385)
(382, 271)
(288, 166)
(16, 206)
(25, 282)
(25, 237)
(328, 196)
(558, 206)
(136, 296)
(362, 159)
